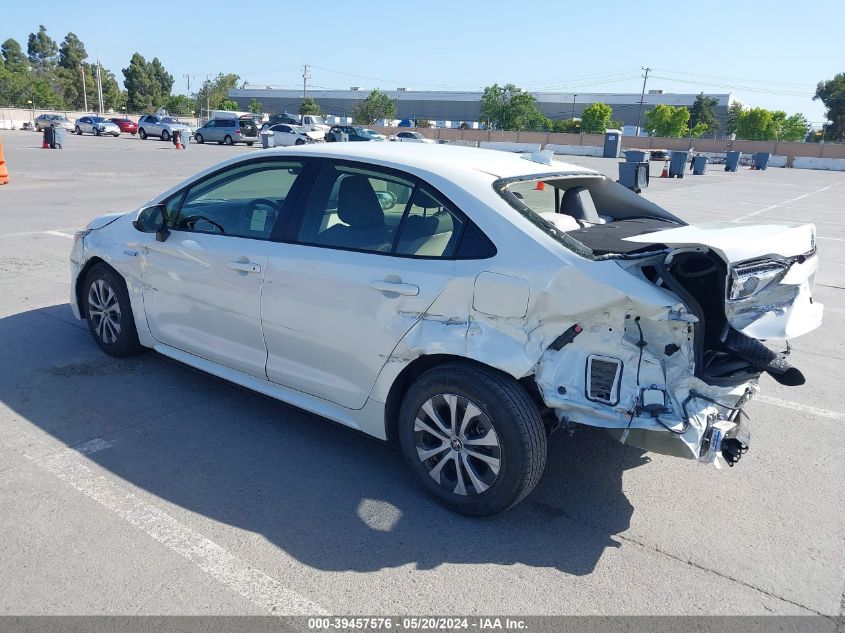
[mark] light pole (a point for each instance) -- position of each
(573, 106)
(642, 100)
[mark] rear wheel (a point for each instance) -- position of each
(142, 133)
(198, 138)
(109, 312)
(473, 438)
(227, 140)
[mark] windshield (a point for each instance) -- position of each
(168, 119)
(317, 120)
(97, 119)
(370, 133)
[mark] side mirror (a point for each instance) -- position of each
(153, 220)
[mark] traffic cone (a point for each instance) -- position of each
(44, 144)
(665, 173)
(179, 140)
(540, 186)
(4, 173)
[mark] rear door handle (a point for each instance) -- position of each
(244, 267)
(396, 287)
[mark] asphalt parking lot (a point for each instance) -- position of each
(141, 486)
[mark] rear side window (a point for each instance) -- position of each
(430, 229)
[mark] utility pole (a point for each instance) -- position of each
(188, 80)
(305, 78)
(100, 88)
(84, 89)
(573, 106)
(642, 100)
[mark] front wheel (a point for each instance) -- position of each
(299, 141)
(78, 130)
(109, 312)
(250, 143)
(198, 138)
(473, 438)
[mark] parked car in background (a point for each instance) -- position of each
(410, 137)
(162, 127)
(353, 133)
(126, 125)
(286, 135)
(228, 131)
(437, 297)
(55, 120)
(96, 125)
(280, 118)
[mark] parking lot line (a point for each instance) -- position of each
(59, 234)
(780, 204)
(68, 465)
(803, 408)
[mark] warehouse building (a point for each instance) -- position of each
(455, 107)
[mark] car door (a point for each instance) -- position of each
(202, 285)
(347, 285)
(283, 135)
(209, 131)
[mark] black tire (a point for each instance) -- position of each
(165, 135)
(198, 138)
(507, 408)
(220, 142)
(250, 144)
(142, 133)
(96, 131)
(227, 140)
(123, 341)
(78, 130)
(299, 141)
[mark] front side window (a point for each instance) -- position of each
(243, 201)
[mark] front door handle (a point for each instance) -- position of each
(244, 267)
(396, 287)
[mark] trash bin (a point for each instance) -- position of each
(634, 176)
(635, 156)
(732, 160)
(268, 139)
(699, 165)
(58, 137)
(678, 164)
(761, 160)
(612, 143)
(49, 136)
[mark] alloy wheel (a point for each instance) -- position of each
(104, 311)
(457, 444)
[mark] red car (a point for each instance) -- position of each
(126, 125)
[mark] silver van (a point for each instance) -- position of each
(228, 131)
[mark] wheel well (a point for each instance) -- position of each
(408, 375)
(80, 279)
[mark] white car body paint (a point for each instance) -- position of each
(335, 344)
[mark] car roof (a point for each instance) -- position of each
(438, 158)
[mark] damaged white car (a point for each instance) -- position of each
(463, 303)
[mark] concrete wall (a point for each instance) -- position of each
(14, 118)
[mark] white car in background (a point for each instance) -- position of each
(434, 297)
(410, 137)
(285, 135)
(96, 125)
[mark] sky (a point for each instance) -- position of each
(768, 54)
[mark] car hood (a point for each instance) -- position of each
(738, 242)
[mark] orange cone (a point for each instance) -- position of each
(540, 186)
(44, 143)
(4, 173)
(665, 173)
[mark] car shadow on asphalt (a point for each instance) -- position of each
(332, 498)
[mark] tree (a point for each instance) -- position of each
(180, 105)
(793, 128)
(41, 49)
(571, 126)
(666, 120)
(228, 104)
(309, 105)
(148, 84)
(756, 124)
(427, 123)
(702, 119)
(510, 108)
(832, 95)
(255, 106)
(735, 111)
(595, 118)
(214, 92)
(13, 55)
(72, 52)
(376, 106)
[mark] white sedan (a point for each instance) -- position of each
(96, 125)
(286, 135)
(435, 297)
(410, 137)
